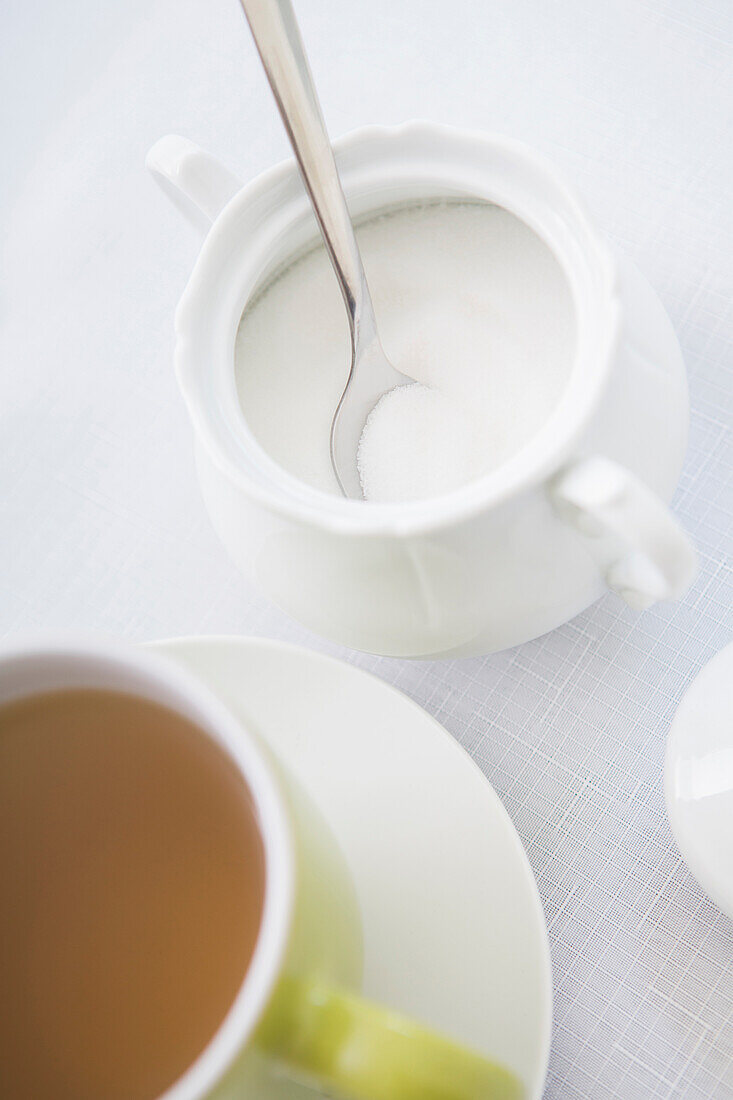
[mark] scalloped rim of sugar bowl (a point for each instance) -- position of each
(262, 215)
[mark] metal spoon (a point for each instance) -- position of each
(280, 46)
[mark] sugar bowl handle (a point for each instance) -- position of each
(197, 183)
(650, 556)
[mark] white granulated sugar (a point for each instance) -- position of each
(416, 443)
(470, 303)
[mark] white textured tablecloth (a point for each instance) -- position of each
(102, 526)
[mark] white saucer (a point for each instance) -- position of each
(453, 925)
(699, 778)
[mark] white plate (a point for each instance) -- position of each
(453, 925)
(699, 778)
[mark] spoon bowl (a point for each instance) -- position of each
(372, 375)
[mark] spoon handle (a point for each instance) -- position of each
(280, 47)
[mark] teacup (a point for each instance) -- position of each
(579, 509)
(298, 1006)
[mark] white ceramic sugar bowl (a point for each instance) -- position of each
(515, 553)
